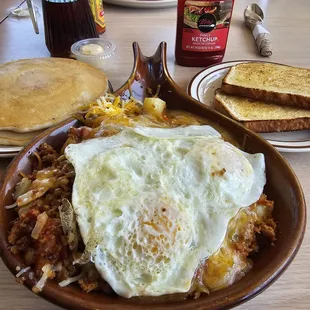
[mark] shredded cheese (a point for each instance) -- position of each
(22, 271)
(70, 280)
(112, 106)
(48, 273)
(12, 206)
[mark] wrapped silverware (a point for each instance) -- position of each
(254, 16)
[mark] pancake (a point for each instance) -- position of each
(17, 138)
(41, 92)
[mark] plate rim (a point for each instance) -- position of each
(192, 90)
(10, 148)
(9, 151)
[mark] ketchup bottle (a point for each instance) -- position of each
(98, 13)
(202, 31)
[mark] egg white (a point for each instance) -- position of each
(151, 204)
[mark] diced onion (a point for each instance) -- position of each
(12, 206)
(31, 195)
(22, 187)
(44, 183)
(70, 280)
(45, 180)
(41, 220)
(22, 271)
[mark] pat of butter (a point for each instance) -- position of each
(21, 12)
(91, 49)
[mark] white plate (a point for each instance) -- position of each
(146, 4)
(202, 87)
(9, 151)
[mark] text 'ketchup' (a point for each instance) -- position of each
(202, 31)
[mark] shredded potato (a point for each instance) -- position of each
(154, 106)
(43, 200)
(39, 159)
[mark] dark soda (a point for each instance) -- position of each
(66, 23)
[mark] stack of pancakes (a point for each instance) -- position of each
(38, 93)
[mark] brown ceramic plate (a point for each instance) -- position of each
(282, 187)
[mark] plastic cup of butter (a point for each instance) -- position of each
(96, 52)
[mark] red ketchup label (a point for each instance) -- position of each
(206, 25)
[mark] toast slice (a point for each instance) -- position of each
(260, 116)
(276, 83)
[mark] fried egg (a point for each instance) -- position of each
(152, 204)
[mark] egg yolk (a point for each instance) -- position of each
(156, 234)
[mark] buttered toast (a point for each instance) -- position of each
(269, 82)
(260, 116)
